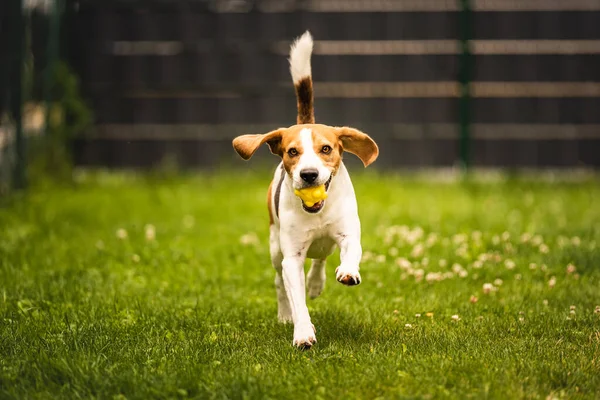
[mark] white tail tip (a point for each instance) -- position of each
(300, 53)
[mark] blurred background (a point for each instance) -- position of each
(438, 83)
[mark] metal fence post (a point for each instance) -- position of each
(19, 172)
(464, 77)
(53, 51)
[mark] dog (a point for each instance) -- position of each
(311, 156)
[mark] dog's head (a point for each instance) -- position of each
(311, 153)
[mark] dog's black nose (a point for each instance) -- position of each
(309, 175)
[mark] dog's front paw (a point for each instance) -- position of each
(347, 276)
(304, 336)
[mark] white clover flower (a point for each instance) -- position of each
(380, 258)
(455, 318)
(417, 251)
(459, 238)
(433, 277)
(418, 315)
(571, 269)
(505, 236)
(509, 264)
(532, 266)
(572, 308)
(121, 233)
(544, 249)
(576, 241)
(477, 264)
(367, 255)
(419, 273)
(407, 325)
(150, 232)
(448, 275)
(498, 282)
(393, 251)
(403, 263)
(443, 263)
(249, 239)
(462, 251)
(432, 239)
(537, 240)
(545, 302)
(525, 237)
(562, 241)
(552, 282)
(488, 288)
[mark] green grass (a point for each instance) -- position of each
(192, 313)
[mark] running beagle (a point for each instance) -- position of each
(311, 156)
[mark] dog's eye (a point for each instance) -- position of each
(292, 152)
(326, 149)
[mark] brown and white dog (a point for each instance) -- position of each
(312, 156)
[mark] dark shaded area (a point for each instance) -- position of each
(404, 153)
(230, 68)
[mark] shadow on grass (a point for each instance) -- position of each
(339, 327)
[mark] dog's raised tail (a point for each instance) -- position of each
(300, 53)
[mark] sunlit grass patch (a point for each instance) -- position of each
(141, 288)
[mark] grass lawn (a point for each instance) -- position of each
(124, 287)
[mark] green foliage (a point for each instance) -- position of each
(121, 287)
(68, 117)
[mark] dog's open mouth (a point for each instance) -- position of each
(315, 208)
(319, 205)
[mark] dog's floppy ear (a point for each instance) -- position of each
(246, 145)
(359, 144)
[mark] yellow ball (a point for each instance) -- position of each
(312, 195)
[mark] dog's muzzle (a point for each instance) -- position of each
(317, 206)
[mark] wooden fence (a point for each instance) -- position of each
(183, 77)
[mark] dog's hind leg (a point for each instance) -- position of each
(316, 278)
(284, 312)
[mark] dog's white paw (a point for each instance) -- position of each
(304, 336)
(347, 276)
(316, 284)
(315, 288)
(284, 314)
